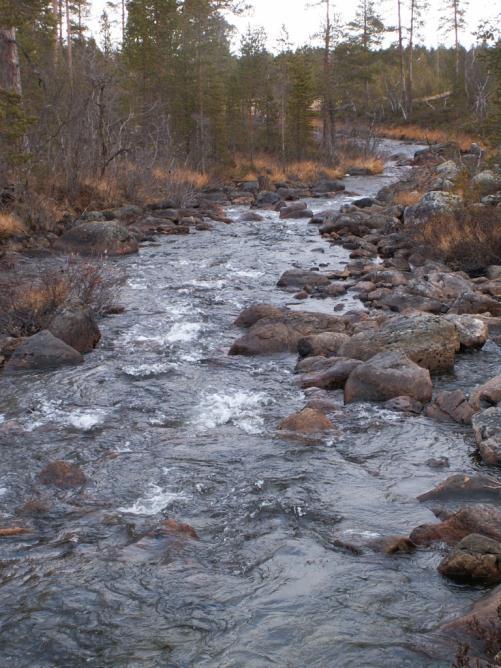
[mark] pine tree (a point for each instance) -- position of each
(300, 113)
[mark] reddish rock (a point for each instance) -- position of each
(250, 315)
(488, 394)
(475, 559)
(175, 528)
(326, 343)
(8, 532)
(299, 278)
(333, 377)
(464, 486)
(478, 519)
(307, 421)
(455, 405)
(386, 376)
(63, 475)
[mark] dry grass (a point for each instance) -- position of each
(408, 197)
(27, 305)
(426, 135)
(375, 164)
(10, 226)
(468, 241)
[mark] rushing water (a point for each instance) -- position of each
(165, 424)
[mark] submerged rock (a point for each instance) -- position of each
(464, 486)
(386, 376)
(63, 475)
(42, 352)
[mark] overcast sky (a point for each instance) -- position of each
(303, 21)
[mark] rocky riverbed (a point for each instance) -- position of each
(316, 484)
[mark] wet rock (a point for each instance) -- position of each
(386, 376)
(251, 217)
(363, 202)
(331, 378)
(487, 395)
(478, 519)
(266, 199)
(326, 343)
(282, 333)
(434, 203)
(464, 486)
(98, 238)
(299, 278)
(427, 340)
(473, 332)
(174, 528)
(404, 405)
(41, 352)
(295, 212)
(63, 475)
(250, 315)
(474, 559)
(307, 421)
(393, 545)
(487, 429)
(9, 532)
(76, 326)
(438, 462)
(455, 405)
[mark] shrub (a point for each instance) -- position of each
(27, 307)
(469, 240)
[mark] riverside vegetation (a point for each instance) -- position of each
(406, 329)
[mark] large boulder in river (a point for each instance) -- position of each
(326, 343)
(297, 210)
(487, 428)
(461, 486)
(98, 238)
(282, 333)
(332, 377)
(433, 204)
(307, 421)
(475, 559)
(479, 519)
(250, 315)
(428, 340)
(473, 332)
(487, 395)
(386, 376)
(76, 326)
(293, 279)
(41, 352)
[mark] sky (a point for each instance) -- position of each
(303, 20)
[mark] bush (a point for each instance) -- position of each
(469, 240)
(27, 306)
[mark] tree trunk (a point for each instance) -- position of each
(11, 71)
(329, 120)
(410, 84)
(69, 39)
(56, 38)
(403, 91)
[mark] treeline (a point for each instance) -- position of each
(171, 89)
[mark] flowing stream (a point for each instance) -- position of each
(166, 425)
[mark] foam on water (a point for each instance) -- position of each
(147, 370)
(2, 418)
(237, 408)
(178, 332)
(53, 412)
(183, 331)
(154, 501)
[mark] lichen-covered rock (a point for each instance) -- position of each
(98, 238)
(428, 340)
(434, 203)
(473, 332)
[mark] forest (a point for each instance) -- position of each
(163, 85)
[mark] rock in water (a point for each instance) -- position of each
(430, 341)
(62, 474)
(474, 559)
(76, 326)
(386, 376)
(98, 238)
(307, 421)
(41, 352)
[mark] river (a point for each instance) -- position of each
(165, 424)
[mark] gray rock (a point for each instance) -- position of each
(433, 204)
(98, 238)
(42, 352)
(299, 278)
(76, 326)
(487, 428)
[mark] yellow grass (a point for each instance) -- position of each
(182, 175)
(426, 135)
(10, 226)
(408, 197)
(376, 165)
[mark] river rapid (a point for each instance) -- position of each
(166, 425)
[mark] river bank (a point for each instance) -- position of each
(164, 424)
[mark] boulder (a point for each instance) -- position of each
(76, 326)
(487, 395)
(307, 421)
(41, 352)
(427, 340)
(487, 181)
(487, 429)
(251, 217)
(62, 474)
(404, 405)
(434, 203)
(292, 279)
(493, 272)
(250, 315)
(386, 376)
(475, 302)
(473, 332)
(295, 212)
(475, 559)
(331, 378)
(363, 202)
(455, 405)
(326, 343)
(282, 333)
(464, 486)
(266, 199)
(448, 170)
(329, 186)
(479, 519)
(98, 238)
